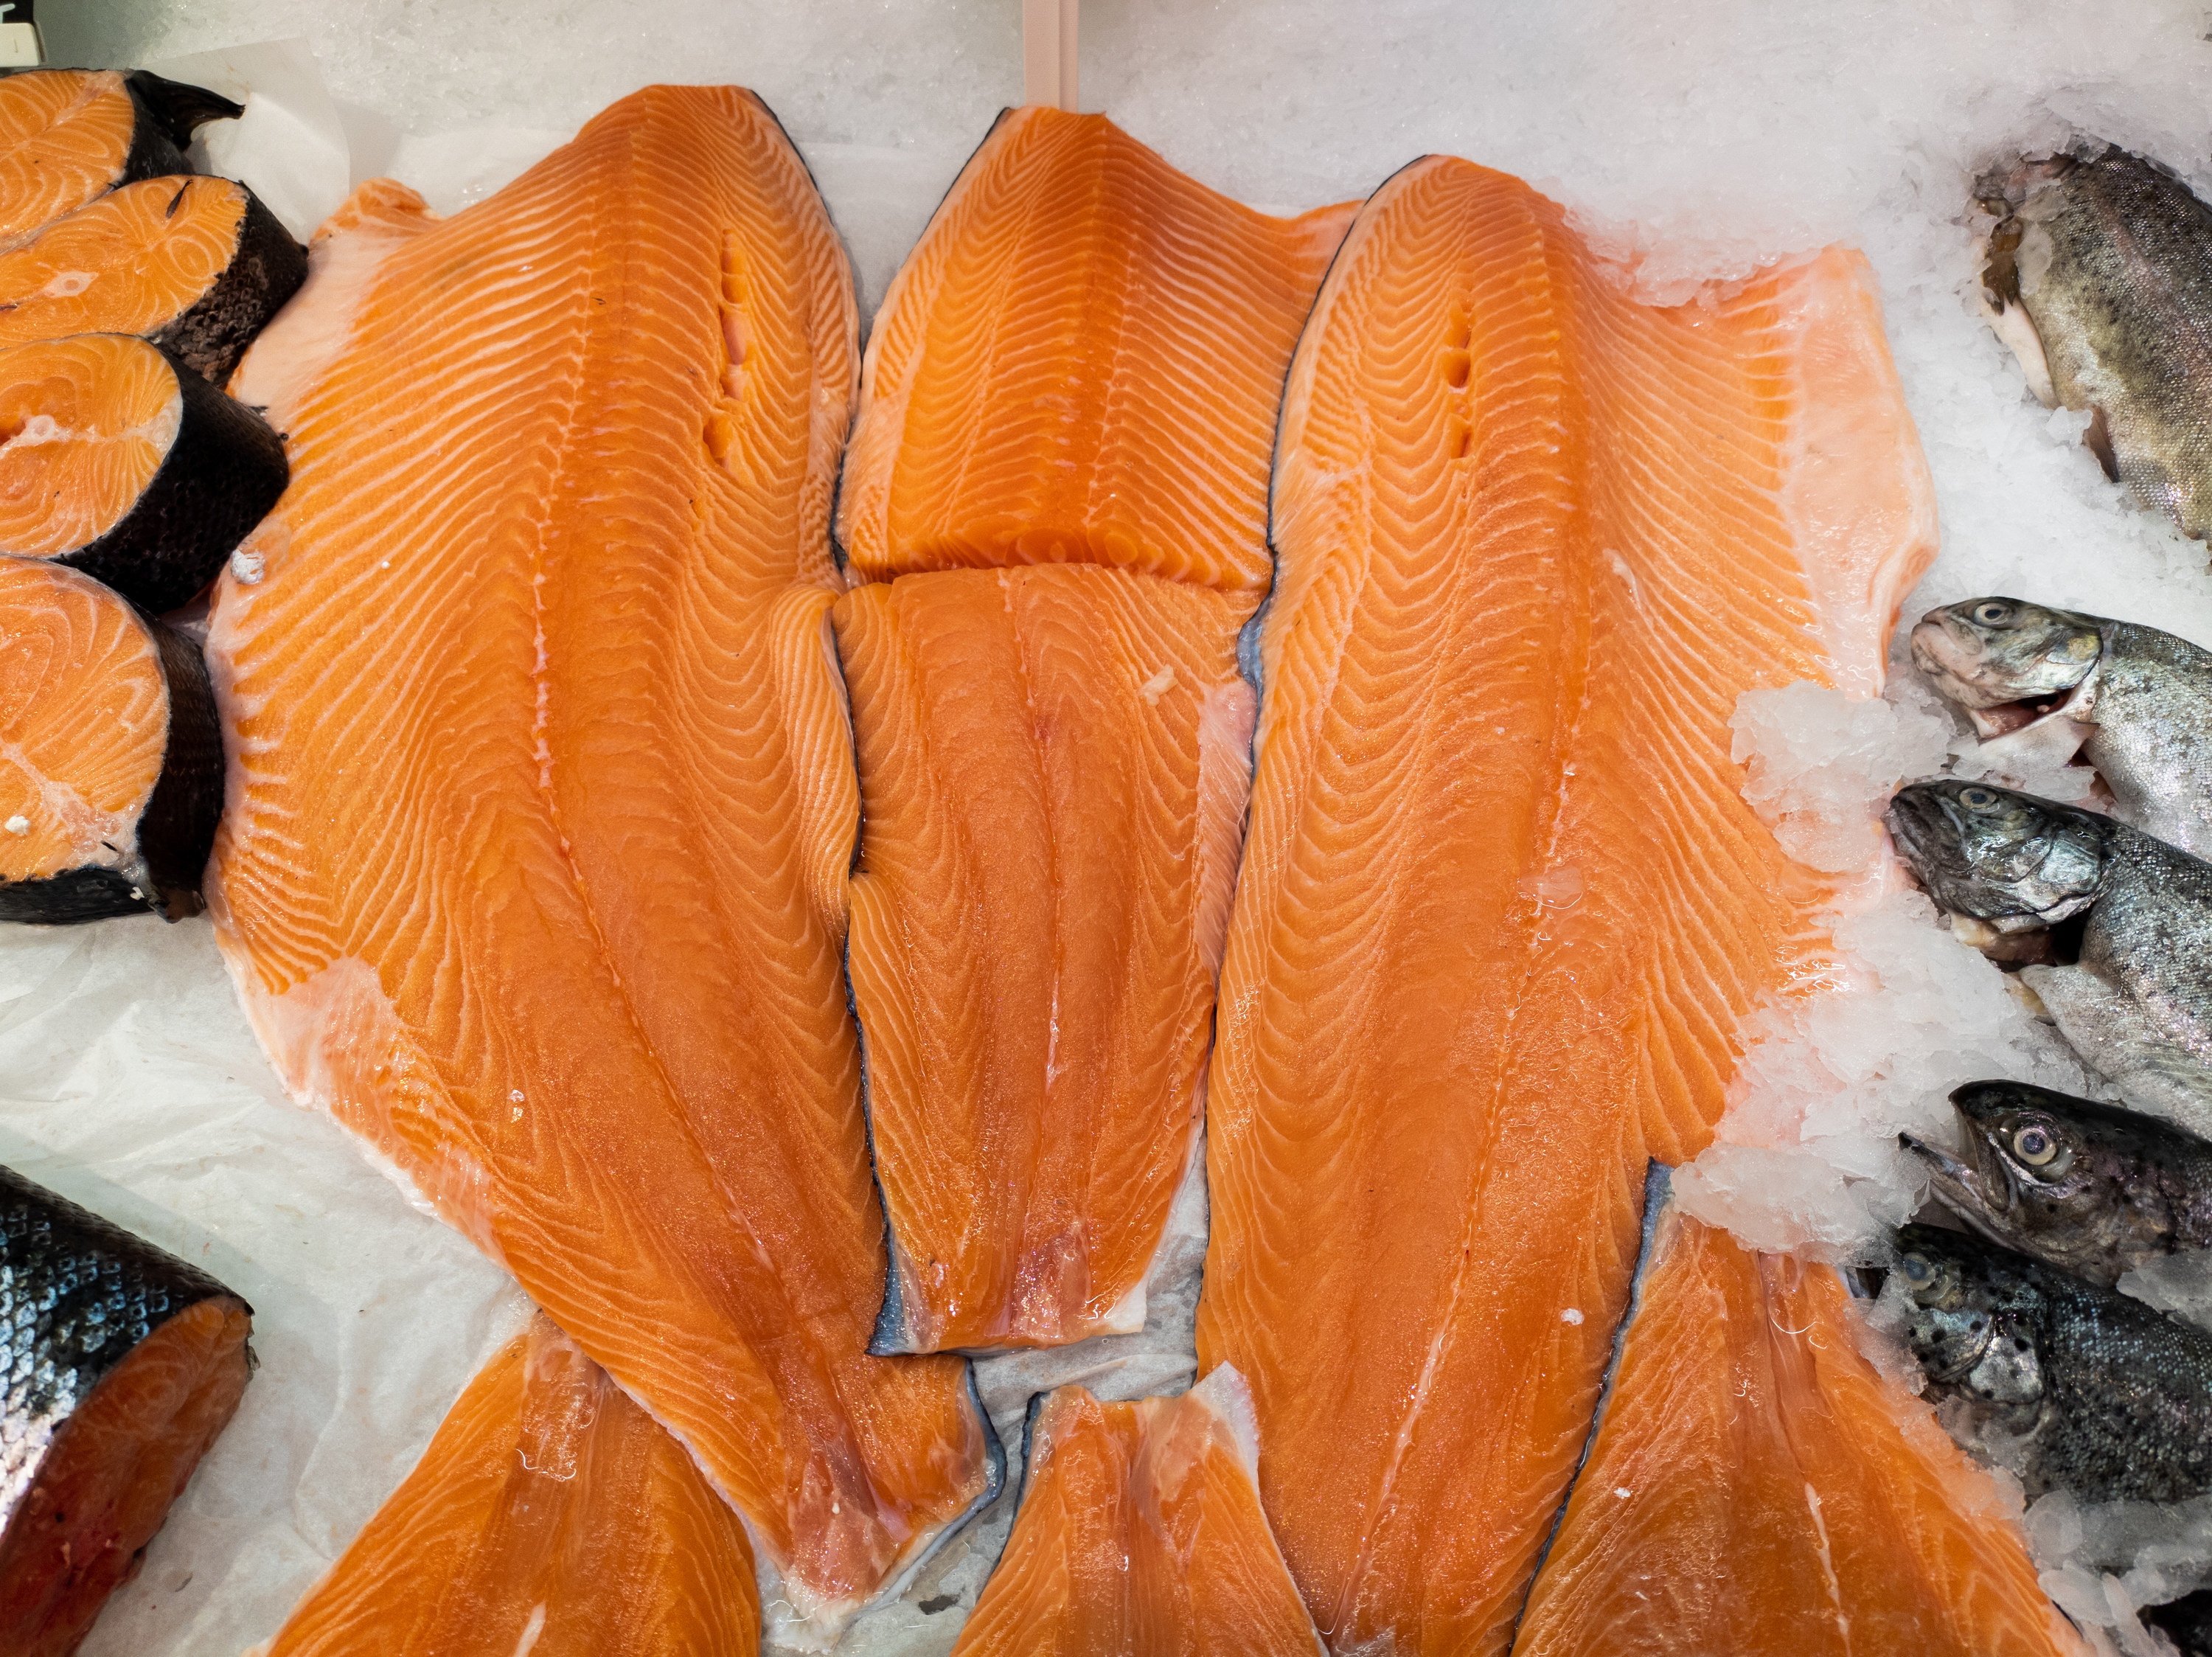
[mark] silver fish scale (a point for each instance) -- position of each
(77, 1295)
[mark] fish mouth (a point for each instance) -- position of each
(1958, 1186)
(2004, 718)
(1953, 658)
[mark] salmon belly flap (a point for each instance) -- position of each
(1055, 499)
(1757, 1485)
(1140, 1531)
(543, 790)
(1502, 906)
(550, 1515)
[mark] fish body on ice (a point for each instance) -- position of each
(2134, 702)
(2137, 1006)
(2092, 1189)
(2087, 1390)
(2099, 275)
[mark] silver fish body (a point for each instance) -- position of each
(2137, 1006)
(2099, 275)
(2094, 1393)
(2093, 1189)
(2134, 702)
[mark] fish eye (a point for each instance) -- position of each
(1916, 1267)
(1977, 799)
(2034, 1146)
(1989, 615)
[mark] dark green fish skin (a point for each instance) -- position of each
(2135, 702)
(2098, 1393)
(2095, 1190)
(2138, 1006)
(78, 1294)
(2099, 275)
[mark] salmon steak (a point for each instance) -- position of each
(123, 1365)
(1757, 1485)
(1080, 363)
(550, 1515)
(1502, 907)
(70, 136)
(196, 265)
(532, 865)
(117, 459)
(1140, 1532)
(111, 758)
(1055, 763)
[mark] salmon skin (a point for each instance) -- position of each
(538, 882)
(70, 136)
(121, 462)
(196, 265)
(1054, 763)
(1755, 1484)
(123, 1365)
(550, 1515)
(1140, 1533)
(1080, 363)
(1502, 906)
(110, 771)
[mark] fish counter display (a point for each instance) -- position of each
(1373, 732)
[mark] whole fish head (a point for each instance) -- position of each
(2005, 661)
(2009, 859)
(1964, 1318)
(2093, 1189)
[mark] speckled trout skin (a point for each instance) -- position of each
(2094, 1393)
(2098, 276)
(2092, 1189)
(2135, 702)
(2138, 1005)
(77, 1296)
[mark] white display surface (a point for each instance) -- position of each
(1694, 139)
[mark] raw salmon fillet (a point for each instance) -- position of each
(1055, 765)
(1079, 363)
(1140, 1532)
(1757, 1485)
(1503, 906)
(549, 1516)
(532, 865)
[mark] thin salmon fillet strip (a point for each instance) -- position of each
(531, 871)
(549, 1516)
(1502, 906)
(1080, 363)
(1140, 1532)
(1057, 764)
(1757, 1485)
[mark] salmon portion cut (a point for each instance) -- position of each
(1757, 1485)
(1140, 1531)
(120, 461)
(1081, 362)
(123, 1364)
(1054, 771)
(541, 771)
(550, 1515)
(111, 762)
(196, 265)
(69, 136)
(1503, 906)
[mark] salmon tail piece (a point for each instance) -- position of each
(548, 1505)
(125, 1363)
(1756, 1484)
(1141, 1530)
(111, 773)
(1503, 909)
